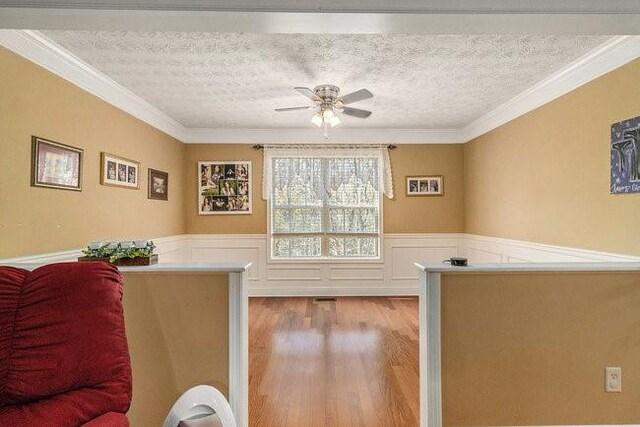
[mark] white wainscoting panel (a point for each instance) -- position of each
(230, 248)
(484, 249)
(324, 278)
(482, 256)
(359, 272)
(294, 273)
(401, 251)
(169, 249)
(48, 258)
(394, 274)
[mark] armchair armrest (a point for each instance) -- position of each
(70, 409)
(110, 419)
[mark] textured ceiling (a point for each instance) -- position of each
(231, 80)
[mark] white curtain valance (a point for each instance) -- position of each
(385, 179)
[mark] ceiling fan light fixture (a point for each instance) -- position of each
(327, 114)
(317, 119)
(328, 102)
(330, 117)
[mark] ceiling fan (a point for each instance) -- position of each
(327, 102)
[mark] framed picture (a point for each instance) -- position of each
(55, 165)
(431, 185)
(224, 187)
(158, 185)
(119, 172)
(625, 161)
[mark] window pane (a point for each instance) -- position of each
(325, 196)
(297, 220)
(353, 246)
(297, 182)
(358, 220)
(336, 247)
(297, 247)
(353, 182)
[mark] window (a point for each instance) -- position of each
(325, 207)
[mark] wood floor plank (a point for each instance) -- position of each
(352, 362)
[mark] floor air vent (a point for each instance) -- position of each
(324, 299)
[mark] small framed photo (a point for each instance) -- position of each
(55, 165)
(119, 172)
(158, 185)
(431, 185)
(224, 187)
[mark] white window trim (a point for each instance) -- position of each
(322, 153)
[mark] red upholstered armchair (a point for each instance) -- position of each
(64, 359)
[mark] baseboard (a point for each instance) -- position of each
(331, 291)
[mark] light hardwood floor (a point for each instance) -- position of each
(353, 362)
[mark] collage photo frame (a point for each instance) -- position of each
(224, 187)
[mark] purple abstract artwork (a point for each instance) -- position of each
(625, 156)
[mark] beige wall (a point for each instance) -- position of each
(34, 101)
(177, 330)
(193, 311)
(544, 177)
(154, 381)
(401, 215)
(531, 349)
(439, 214)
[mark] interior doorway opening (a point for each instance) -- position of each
(333, 362)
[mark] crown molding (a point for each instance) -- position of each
(40, 50)
(37, 48)
(313, 134)
(612, 54)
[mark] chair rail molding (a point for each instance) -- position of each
(393, 274)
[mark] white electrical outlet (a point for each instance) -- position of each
(613, 380)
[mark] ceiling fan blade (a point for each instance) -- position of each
(356, 96)
(308, 93)
(294, 108)
(356, 112)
